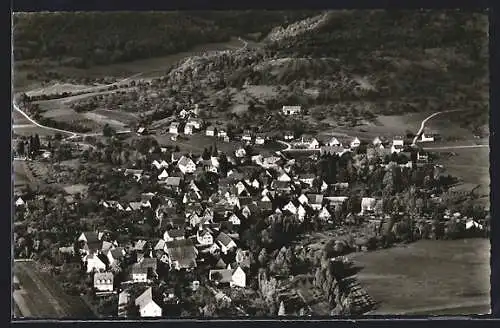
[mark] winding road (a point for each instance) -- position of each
(422, 125)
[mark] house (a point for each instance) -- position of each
(173, 183)
(422, 157)
(225, 242)
(336, 200)
(307, 178)
(398, 141)
(291, 110)
(136, 174)
(103, 281)
(290, 207)
(243, 258)
(270, 162)
(174, 234)
(377, 142)
(141, 131)
(333, 150)
(195, 123)
(204, 237)
(284, 177)
(396, 148)
(247, 136)
(211, 131)
(20, 202)
(188, 129)
(123, 301)
(426, 137)
(163, 175)
(355, 143)
(94, 263)
(234, 219)
(315, 201)
(226, 139)
(134, 206)
(281, 186)
(260, 140)
(186, 165)
(324, 214)
(139, 273)
(288, 136)
(301, 212)
(303, 199)
(174, 128)
(92, 241)
(333, 142)
(240, 152)
(233, 277)
(221, 264)
(147, 306)
(181, 254)
(307, 143)
(367, 205)
(156, 164)
(221, 133)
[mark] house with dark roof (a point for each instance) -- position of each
(233, 277)
(173, 234)
(315, 201)
(186, 165)
(225, 243)
(181, 254)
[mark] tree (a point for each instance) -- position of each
(108, 131)
(263, 257)
(20, 147)
(58, 136)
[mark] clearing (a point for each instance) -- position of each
(19, 174)
(431, 277)
(42, 297)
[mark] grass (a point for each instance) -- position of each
(428, 277)
(76, 188)
(44, 296)
(20, 177)
(471, 165)
(18, 118)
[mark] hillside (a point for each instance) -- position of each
(344, 67)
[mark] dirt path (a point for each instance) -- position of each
(422, 125)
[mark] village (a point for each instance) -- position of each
(225, 225)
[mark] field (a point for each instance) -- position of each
(20, 176)
(429, 277)
(41, 296)
(472, 165)
(18, 118)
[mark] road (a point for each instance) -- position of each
(40, 296)
(455, 147)
(422, 125)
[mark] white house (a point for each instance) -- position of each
(247, 136)
(115, 255)
(204, 237)
(174, 128)
(147, 306)
(188, 129)
(367, 204)
(210, 132)
(291, 110)
(307, 178)
(290, 207)
(103, 281)
(284, 177)
(301, 212)
(234, 219)
(396, 148)
(303, 199)
(355, 143)
(240, 152)
(423, 157)
(195, 123)
(94, 263)
(221, 133)
(324, 214)
(333, 142)
(235, 278)
(186, 165)
(260, 140)
(426, 138)
(174, 234)
(20, 202)
(398, 141)
(163, 175)
(156, 164)
(139, 273)
(377, 141)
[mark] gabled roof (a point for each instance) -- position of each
(182, 251)
(315, 198)
(184, 161)
(224, 239)
(173, 181)
(176, 233)
(220, 264)
(103, 278)
(91, 236)
(135, 205)
(226, 275)
(145, 298)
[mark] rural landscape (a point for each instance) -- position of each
(263, 164)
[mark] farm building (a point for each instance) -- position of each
(291, 110)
